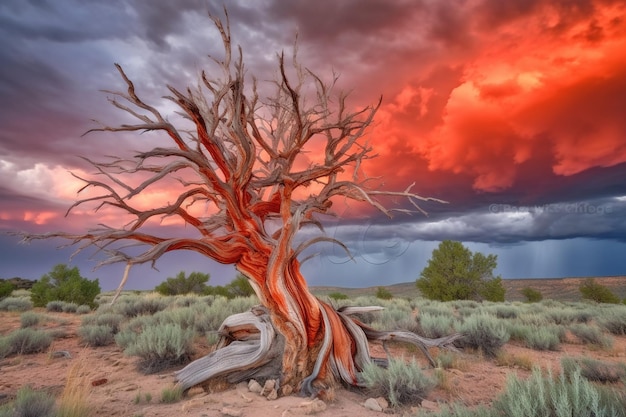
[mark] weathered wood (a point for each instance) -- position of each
(249, 347)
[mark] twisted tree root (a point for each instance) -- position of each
(249, 347)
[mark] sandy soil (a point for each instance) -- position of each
(116, 388)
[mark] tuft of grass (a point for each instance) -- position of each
(74, 400)
(171, 395)
(29, 319)
(542, 338)
(401, 383)
(483, 332)
(513, 361)
(31, 403)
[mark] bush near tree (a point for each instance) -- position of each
(383, 293)
(64, 284)
(455, 273)
(6, 288)
(532, 295)
(591, 290)
(182, 284)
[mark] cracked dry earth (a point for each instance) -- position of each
(116, 388)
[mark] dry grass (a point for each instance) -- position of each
(74, 400)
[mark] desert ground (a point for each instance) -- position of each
(114, 386)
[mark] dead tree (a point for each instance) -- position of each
(241, 162)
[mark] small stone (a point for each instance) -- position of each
(372, 404)
(272, 395)
(313, 407)
(232, 412)
(382, 401)
(254, 386)
(430, 405)
(268, 387)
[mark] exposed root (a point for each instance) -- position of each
(249, 347)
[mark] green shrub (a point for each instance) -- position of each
(83, 309)
(483, 332)
(161, 346)
(27, 341)
(6, 288)
(29, 319)
(401, 383)
(337, 296)
(594, 370)
(137, 306)
(383, 293)
(31, 403)
(70, 307)
(64, 284)
(545, 396)
(506, 312)
(15, 304)
(542, 338)
(591, 334)
(96, 335)
(181, 284)
(55, 306)
(591, 290)
(532, 295)
(112, 320)
(435, 326)
(613, 320)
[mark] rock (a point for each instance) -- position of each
(268, 387)
(372, 404)
(430, 405)
(232, 412)
(313, 407)
(382, 401)
(254, 386)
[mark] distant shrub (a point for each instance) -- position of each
(182, 284)
(591, 334)
(112, 320)
(383, 293)
(55, 306)
(594, 370)
(70, 307)
(15, 304)
(27, 341)
(83, 309)
(401, 383)
(6, 288)
(96, 335)
(64, 284)
(613, 319)
(591, 290)
(31, 403)
(337, 296)
(29, 319)
(532, 295)
(506, 312)
(484, 332)
(161, 346)
(137, 306)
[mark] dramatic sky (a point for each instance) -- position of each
(512, 111)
